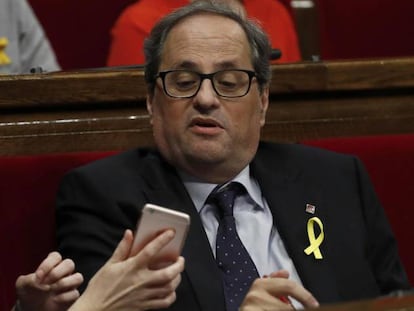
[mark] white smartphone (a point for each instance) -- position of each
(155, 220)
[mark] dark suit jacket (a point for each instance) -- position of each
(97, 202)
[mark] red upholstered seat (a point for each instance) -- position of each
(27, 216)
(28, 186)
(389, 160)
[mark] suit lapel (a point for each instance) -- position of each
(166, 189)
(287, 192)
(286, 189)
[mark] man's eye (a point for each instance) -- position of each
(227, 84)
(185, 84)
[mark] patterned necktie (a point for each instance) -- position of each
(232, 257)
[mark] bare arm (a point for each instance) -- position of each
(128, 283)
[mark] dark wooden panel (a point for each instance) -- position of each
(401, 301)
(65, 89)
(105, 110)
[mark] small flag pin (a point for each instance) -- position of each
(310, 208)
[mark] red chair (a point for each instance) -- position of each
(389, 160)
(28, 186)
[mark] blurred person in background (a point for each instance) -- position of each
(23, 42)
(137, 20)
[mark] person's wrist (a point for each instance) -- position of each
(83, 303)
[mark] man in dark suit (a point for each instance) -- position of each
(309, 219)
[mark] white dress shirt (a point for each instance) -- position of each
(254, 223)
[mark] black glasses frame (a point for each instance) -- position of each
(204, 76)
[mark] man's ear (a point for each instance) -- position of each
(264, 102)
(149, 100)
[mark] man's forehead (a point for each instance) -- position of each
(206, 31)
(196, 57)
(201, 20)
(206, 42)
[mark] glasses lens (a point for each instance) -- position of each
(227, 83)
(181, 83)
(232, 83)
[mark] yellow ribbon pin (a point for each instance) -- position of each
(4, 59)
(314, 242)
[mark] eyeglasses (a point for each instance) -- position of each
(187, 83)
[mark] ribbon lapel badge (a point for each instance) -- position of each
(314, 242)
(4, 59)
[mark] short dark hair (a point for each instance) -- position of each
(257, 38)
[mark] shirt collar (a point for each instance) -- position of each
(199, 190)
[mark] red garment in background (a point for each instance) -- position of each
(137, 20)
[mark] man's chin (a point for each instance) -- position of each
(206, 155)
(209, 152)
(206, 158)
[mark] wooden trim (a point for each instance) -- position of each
(105, 109)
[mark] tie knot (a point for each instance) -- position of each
(224, 197)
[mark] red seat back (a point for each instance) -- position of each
(28, 186)
(389, 160)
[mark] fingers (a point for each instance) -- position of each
(157, 292)
(301, 294)
(161, 293)
(259, 297)
(52, 274)
(67, 297)
(279, 287)
(64, 268)
(163, 276)
(153, 247)
(124, 247)
(29, 281)
(47, 265)
(67, 283)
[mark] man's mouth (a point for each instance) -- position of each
(204, 122)
(205, 126)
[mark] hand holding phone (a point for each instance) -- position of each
(155, 220)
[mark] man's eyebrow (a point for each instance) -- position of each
(185, 65)
(227, 65)
(189, 65)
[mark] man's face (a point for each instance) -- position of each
(207, 136)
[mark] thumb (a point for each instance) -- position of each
(124, 247)
(29, 282)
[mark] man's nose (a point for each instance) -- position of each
(206, 95)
